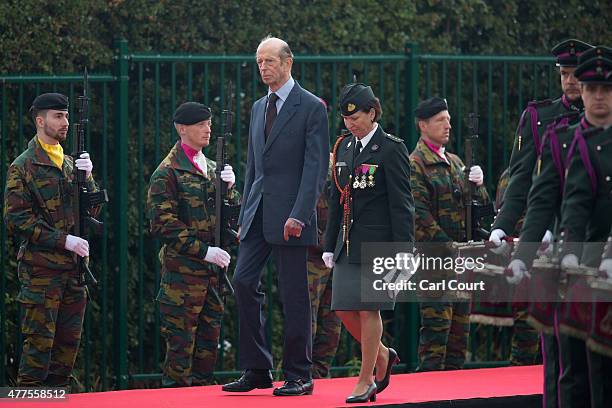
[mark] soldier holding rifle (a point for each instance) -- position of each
(438, 181)
(181, 209)
(39, 211)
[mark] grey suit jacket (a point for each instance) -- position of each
(288, 170)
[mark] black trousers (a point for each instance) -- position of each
(255, 352)
(574, 387)
(600, 376)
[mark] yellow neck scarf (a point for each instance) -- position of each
(55, 152)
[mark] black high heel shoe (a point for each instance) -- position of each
(384, 383)
(369, 394)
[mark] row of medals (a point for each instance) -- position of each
(361, 182)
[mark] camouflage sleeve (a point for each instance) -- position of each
(234, 196)
(522, 162)
(163, 215)
(20, 217)
(502, 185)
(427, 228)
(92, 186)
(482, 195)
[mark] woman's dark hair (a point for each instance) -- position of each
(374, 104)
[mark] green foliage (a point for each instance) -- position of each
(63, 36)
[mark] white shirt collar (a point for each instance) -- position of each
(200, 160)
(366, 139)
(283, 91)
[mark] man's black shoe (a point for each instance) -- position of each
(250, 380)
(295, 388)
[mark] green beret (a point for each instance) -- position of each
(430, 107)
(567, 52)
(190, 113)
(55, 101)
(355, 98)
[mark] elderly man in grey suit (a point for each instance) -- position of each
(287, 165)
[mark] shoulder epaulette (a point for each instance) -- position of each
(540, 104)
(565, 118)
(394, 138)
(532, 112)
(337, 145)
(592, 131)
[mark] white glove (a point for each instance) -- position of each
(569, 261)
(546, 248)
(606, 266)
(328, 259)
(496, 237)
(217, 256)
(519, 271)
(476, 175)
(227, 175)
(84, 163)
(77, 245)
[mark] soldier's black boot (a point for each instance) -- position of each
(250, 380)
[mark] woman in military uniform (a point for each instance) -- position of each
(371, 201)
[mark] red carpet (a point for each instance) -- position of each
(405, 389)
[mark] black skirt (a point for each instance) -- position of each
(347, 292)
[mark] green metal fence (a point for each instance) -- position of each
(131, 131)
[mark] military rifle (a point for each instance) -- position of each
(226, 214)
(474, 211)
(83, 199)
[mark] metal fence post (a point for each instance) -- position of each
(3, 250)
(120, 207)
(411, 92)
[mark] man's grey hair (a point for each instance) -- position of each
(285, 51)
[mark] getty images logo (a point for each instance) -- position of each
(396, 272)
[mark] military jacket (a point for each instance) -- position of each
(544, 200)
(587, 200)
(38, 207)
(502, 186)
(527, 147)
(181, 209)
(438, 189)
(381, 206)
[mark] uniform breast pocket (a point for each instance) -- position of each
(50, 191)
(192, 197)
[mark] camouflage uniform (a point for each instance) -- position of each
(181, 212)
(439, 213)
(326, 326)
(38, 210)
